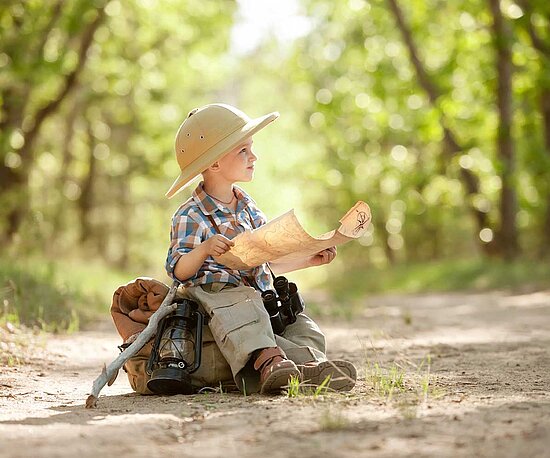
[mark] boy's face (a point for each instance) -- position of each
(238, 164)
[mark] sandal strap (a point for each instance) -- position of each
(267, 355)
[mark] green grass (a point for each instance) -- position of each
(405, 384)
(342, 296)
(18, 345)
(460, 275)
(55, 296)
(297, 389)
(385, 381)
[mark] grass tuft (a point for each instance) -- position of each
(386, 381)
(19, 345)
(296, 388)
(407, 382)
(333, 421)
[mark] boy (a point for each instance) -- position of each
(216, 141)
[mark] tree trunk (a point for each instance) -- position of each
(545, 110)
(123, 262)
(543, 49)
(66, 160)
(15, 193)
(85, 201)
(507, 235)
(380, 225)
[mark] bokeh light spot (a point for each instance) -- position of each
(486, 235)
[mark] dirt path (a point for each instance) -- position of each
(488, 392)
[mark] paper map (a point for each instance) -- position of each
(284, 239)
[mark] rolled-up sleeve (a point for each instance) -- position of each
(187, 232)
(258, 216)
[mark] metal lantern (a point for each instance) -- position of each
(176, 350)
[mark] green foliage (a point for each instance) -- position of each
(104, 158)
(383, 140)
(55, 296)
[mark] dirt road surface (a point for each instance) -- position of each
(439, 375)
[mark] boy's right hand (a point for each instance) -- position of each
(217, 245)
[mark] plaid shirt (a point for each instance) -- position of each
(191, 227)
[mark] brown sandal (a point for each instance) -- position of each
(275, 369)
(343, 374)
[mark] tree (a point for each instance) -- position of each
(536, 11)
(452, 147)
(23, 108)
(406, 105)
(89, 111)
(507, 234)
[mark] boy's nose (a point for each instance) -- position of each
(252, 157)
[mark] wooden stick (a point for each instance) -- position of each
(109, 372)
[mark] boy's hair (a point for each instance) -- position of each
(207, 134)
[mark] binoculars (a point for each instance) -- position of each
(283, 304)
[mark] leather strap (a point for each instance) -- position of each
(267, 355)
(215, 226)
(209, 216)
(214, 223)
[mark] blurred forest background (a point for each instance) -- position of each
(436, 113)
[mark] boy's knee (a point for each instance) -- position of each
(305, 332)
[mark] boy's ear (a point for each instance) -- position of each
(215, 166)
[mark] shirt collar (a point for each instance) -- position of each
(243, 199)
(209, 206)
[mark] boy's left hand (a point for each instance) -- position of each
(323, 257)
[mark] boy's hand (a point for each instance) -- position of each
(216, 245)
(323, 257)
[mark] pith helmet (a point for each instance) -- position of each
(208, 133)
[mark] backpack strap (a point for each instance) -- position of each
(254, 226)
(217, 228)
